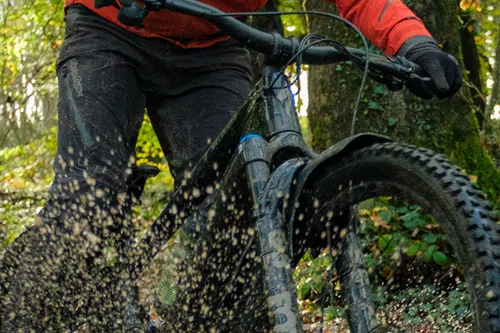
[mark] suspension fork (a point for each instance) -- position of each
(354, 279)
(270, 234)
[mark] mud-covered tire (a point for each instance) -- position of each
(431, 181)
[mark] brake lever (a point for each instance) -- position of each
(415, 72)
(404, 72)
(420, 78)
(389, 81)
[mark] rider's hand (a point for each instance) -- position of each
(441, 67)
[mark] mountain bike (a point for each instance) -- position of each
(268, 198)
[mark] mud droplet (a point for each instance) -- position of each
(99, 193)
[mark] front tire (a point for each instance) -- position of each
(430, 181)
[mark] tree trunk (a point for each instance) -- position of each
(472, 64)
(448, 126)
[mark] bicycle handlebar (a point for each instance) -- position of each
(271, 44)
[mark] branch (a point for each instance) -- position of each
(51, 17)
(2, 142)
(23, 195)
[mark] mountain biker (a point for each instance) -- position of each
(191, 78)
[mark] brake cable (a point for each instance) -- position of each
(334, 17)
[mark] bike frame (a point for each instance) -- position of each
(263, 134)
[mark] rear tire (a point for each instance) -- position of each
(429, 180)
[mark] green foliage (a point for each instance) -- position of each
(148, 151)
(427, 303)
(25, 174)
(28, 167)
(469, 153)
(31, 34)
(391, 228)
(392, 121)
(396, 238)
(306, 130)
(295, 25)
(311, 274)
(376, 101)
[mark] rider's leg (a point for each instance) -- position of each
(207, 87)
(100, 113)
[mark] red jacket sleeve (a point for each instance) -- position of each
(386, 23)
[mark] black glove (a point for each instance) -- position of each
(441, 67)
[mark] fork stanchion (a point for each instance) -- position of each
(270, 235)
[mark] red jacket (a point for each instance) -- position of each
(387, 23)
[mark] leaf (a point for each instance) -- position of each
(384, 214)
(392, 121)
(372, 105)
(380, 90)
(370, 262)
(383, 241)
(439, 258)
(379, 222)
(410, 224)
(430, 238)
(304, 290)
(414, 222)
(426, 307)
(364, 212)
(387, 272)
(402, 210)
(467, 4)
(413, 249)
(384, 200)
(387, 244)
(429, 252)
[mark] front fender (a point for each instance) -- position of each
(334, 153)
(323, 161)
